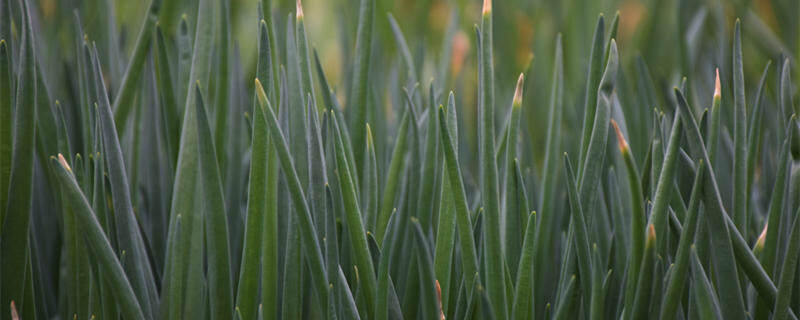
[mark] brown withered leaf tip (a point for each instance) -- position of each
(621, 142)
(439, 296)
(14, 314)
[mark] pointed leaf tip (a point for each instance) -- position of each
(299, 10)
(621, 142)
(517, 102)
(761, 238)
(14, 314)
(651, 235)
(487, 6)
(717, 86)
(63, 162)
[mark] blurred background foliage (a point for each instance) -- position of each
(673, 38)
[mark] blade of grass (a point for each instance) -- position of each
(355, 225)
(371, 183)
(405, 52)
(664, 186)
(706, 300)
(547, 196)
(393, 176)
(169, 107)
(638, 218)
(581, 233)
(643, 294)
(430, 303)
(269, 241)
(97, 242)
(5, 126)
(739, 135)
(754, 135)
(563, 308)
(426, 207)
(516, 202)
(16, 224)
(123, 103)
(775, 216)
(726, 271)
(676, 281)
(186, 182)
(788, 271)
(216, 218)
(129, 236)
(359, 87)
(445, 227)
(523, 296)
(469, 259)
(309, 235)
(221, 104)
(495, 282)
(593, 78)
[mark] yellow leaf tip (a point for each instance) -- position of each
(517, 102)
(761, 238)
(63, 162)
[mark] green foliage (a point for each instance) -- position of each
(390, 167)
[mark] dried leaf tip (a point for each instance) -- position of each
(439, 296)
(717, 86)
(14, 314)
(63, 162)
(621, 142)
(299, 10)
(517, 102)
(761, 239)
(651, 235)
(487, 7)
(262, 96)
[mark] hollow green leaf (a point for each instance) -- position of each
(593, 79)
(727, 275)
(311, 246)
(216, 218)
(469, 259)
(393, 175)
(357, 99)
(97, 242)
(675, 284)
(495, 261)
(706, 300)
(524, 285)
(355, 225)
(581, 233)
(788, 271)
(739, 136)
(17, 214)
(5, 126)
(124, 101)
(430, 301)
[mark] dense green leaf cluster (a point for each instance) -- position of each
(199, 169)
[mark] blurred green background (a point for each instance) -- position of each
(674, 38)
